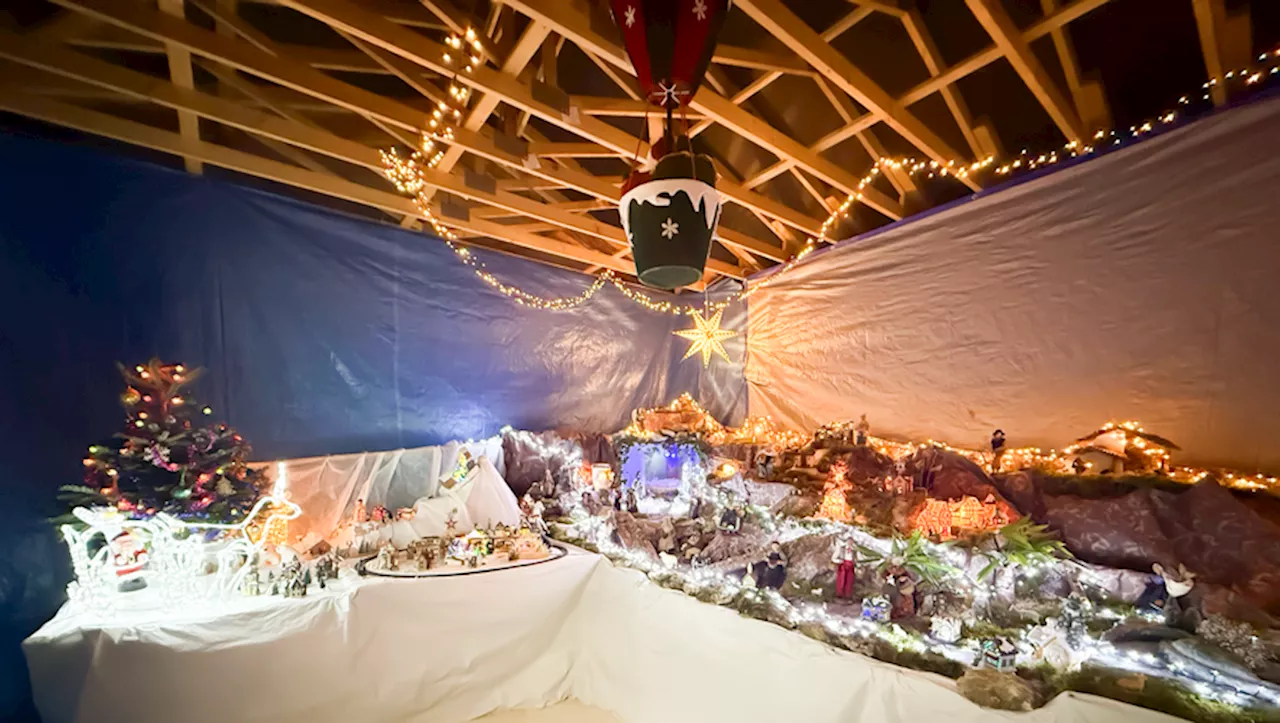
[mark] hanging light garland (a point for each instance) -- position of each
(407, 173)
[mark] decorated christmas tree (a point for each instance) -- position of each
(167, 459)
(835, 500)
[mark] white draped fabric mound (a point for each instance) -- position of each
(327, 487)
(453, 649)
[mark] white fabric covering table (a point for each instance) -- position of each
(452, 649)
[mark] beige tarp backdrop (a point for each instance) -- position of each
(1142, 285)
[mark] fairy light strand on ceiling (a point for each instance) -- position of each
(408, 175)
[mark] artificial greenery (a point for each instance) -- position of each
(912, 554)
(1023, 543)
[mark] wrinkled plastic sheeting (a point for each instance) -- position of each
(1139, 285)
(322, 334)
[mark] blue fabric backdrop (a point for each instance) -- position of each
(322, 333)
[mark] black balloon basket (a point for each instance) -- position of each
(670, 223)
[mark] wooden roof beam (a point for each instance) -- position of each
(412, 46)
(973, 63)
(981, 138)
(389, 114)
(200, 104)
(889, 7)
(992, 15)
(575, 25)
(808, 44)
(181, 74)
(88, 121)
(1225, 41)
(1088, 95)
(836, 30)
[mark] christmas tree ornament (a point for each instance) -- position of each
(706, 336)
(670, 215)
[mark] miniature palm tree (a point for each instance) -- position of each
(913, 555)
(1020, 545)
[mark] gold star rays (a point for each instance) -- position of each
(706, 337)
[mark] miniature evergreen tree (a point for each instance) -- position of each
(165, 460)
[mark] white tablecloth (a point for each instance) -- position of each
(451, 649)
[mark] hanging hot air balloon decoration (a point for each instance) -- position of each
(670, 215)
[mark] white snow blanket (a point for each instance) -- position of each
(327, 487)
(446, 650)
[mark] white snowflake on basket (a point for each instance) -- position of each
(700, 9)
(631, 16)
(670, 229)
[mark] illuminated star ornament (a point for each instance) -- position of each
(706, 337)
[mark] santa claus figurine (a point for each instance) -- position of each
(128, 557)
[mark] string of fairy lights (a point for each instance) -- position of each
(408, 174)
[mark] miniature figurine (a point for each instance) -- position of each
(695, 507)
(692, 548)
(387, 557)
(539, 522)
(548, 485)
(902, 593)
(1167, 594)
(730, 520)
(860, 431)
(667, 537)
(997, 449)
(775, 573)
(1072, 618)
(632, 504)
(844, 556)
(764, 463)
(526, 505)
(128, 557)
(361, 514)
(749, 577)
(591, 502)
(1079, 466)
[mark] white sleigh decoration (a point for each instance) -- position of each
(176, 553)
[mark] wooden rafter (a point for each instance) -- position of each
(181, 74)
(88, 121)
(992, 15)
(412, 46)
(948, 77)
(1224, 41)
(796, 34)
(1089, 98)
(981, 140)
(576, 26)
(275, 103)
(199, 104)
(836, 30)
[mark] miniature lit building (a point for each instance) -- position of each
(660, 468)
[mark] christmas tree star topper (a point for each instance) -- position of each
(706, 337)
